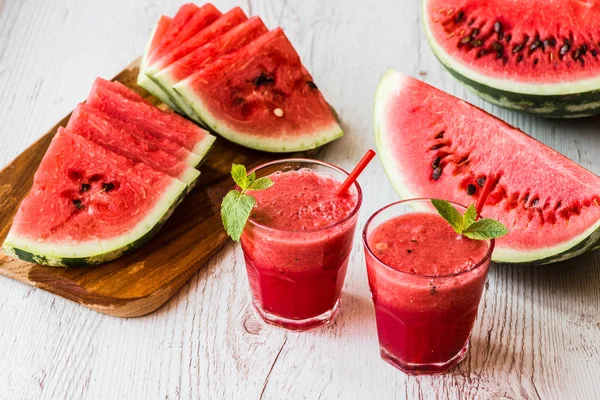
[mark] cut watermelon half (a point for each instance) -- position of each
(89, 205)
(433, 145)
(229, 20)
(262, 97)
(143, 80)
(227, 43)
(149, 118)
(109, 133)
(189, 20)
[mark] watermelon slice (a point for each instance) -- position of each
(110, 134)
(262, 97)
(89, 205)
(188, 21)
(435, 145)
(149, 118)
(229, 20)
(229, 42)
(143, 80)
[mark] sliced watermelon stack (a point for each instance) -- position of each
(108, 181)
(232, 75)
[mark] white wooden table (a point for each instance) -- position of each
(538, 331)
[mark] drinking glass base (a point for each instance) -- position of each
(425, 369)
(299, 324)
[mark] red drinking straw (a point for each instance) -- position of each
(362, 164)
(485, 192)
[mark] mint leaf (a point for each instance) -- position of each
(469, 217)
(237, 205)
(238, 173)
(485, 228)
(235, 211)
(449, 213)
(260, 184)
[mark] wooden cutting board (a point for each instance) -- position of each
(142, 281)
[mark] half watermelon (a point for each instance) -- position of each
(149, 118)
(434, 145)
(89, 205)
(262, 97)
(189, 20)
(229, 20)
(109, 133)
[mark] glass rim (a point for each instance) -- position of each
(310, 161)
(487, 257)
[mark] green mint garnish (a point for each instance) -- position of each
(237, 205)
(467, 224)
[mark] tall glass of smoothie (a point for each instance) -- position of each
(426, 283)
(297, 242)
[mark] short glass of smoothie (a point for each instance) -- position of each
(297, 242)
(426, 282)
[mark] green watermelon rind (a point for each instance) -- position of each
(560, 100)
(57, 255)
(580, 244)
(144, 81)
(278, 145)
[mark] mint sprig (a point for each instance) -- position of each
(467, 224)
(237, 205)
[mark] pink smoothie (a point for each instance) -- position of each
(427, 294)
(297, 244)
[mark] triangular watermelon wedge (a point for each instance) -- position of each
(109, 133)
(149, 118)
(262, 97)
(143, 80)
(434, 145)
(224, 24)
(89, 205)
(189, 20)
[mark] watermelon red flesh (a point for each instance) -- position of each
(119, 88)
(523, 42)
(225, 23)
(549, 203)
(227, 43)
(110, 134)
(89, 204)
(262, 97)
(159, 31)
(149, 118)
(188, 21)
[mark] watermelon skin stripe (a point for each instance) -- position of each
(56, 255)
(576, 105)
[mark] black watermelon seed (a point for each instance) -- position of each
(482, 53)
(500, 35)
(499, 55)
(436, 162)
(481, 182)
(520, 58)
(440, 135)
(311, 85)
(535, 202)
(497, 27)
(459, 17)
(408, 251)
(471, 189)
(471, 22)
(576, 54)
(497, 46)
(477, 43)
(558, 205)
(474, 32)
(535, 61)
(567, 42)
(107, 187)
(594, 53)
(517, 48)
(535, 45)
(413, 240)
(437, 146)
(508, 38)
(466, 39)
(564, 49)
(552, 42)
(262, 79)
(85, 187)
(437, 173)
(78, 204)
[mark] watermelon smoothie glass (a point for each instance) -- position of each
(297, 242)
(426, 283)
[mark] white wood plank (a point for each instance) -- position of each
(538, 329)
